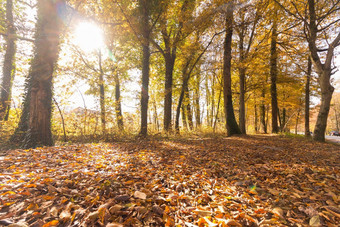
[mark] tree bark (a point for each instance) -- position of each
(39, 98)
(307, 96)
(231, 124)
(326, 96)
(273, 75)
(145, 66)
(263, 111)
(8, 65)
(184, 118)
(169, 68)
(102, 95)
(188, 108)
(242, 77)
(118, 104)
(185, 80)
(324, 71)
(255, 119)
(197, 102)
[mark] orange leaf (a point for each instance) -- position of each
(30, 186)
(8, 192)
(51, 223)
(129, 182)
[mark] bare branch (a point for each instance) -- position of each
(18, 37)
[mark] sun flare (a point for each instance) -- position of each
(88, 36)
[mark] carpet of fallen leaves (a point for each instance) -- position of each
(238, 181)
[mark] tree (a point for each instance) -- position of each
(323, 69)
(145, 42)
(319, 19)
(36, 116)
(173, 30)
(9, 64)
(307, 96)
(246, 27)
(231, 124)
(273, 73)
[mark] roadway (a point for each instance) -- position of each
(334, 139)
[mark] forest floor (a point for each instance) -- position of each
(236, 181)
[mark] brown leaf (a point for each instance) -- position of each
(139, 195)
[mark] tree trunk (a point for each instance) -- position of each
(297, 122)
(197, 102)
(217, 110)
(8, 65)
(242, 77)
(324, 71)
(307, 96)
(231, 124)
(185, 79)
(102, 96)
(145, 67)
(212, 112)
(180, 100)
(284, 120)
(273, 75)
(188, 108)
(184, 118)
(255, 119)
(155, 115)
(169, 68)
(42, 67)
(242, 110)
(207, 98)
(263, 111)
(326, 96)
(118, 104)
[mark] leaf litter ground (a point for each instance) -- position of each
(237, 181)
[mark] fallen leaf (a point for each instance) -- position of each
(139, 195)
(315, 221)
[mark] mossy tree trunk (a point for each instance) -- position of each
(8, 64)
(35, 122)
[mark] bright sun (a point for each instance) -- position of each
(88, 36)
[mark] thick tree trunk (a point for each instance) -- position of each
(42, 67)
(8, 65)
(307, 96)
(118, 104)
(324, 71)
(231, 124)
(273, 76)
(169, 68)
(326, 96)
(145, 67)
